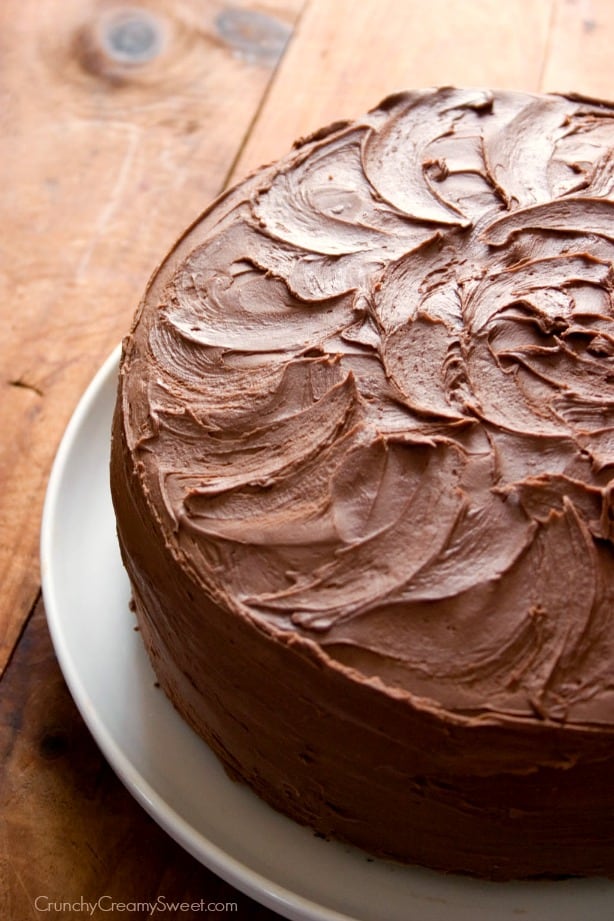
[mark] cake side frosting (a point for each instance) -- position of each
(367, 409)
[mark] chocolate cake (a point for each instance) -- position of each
(362, 470)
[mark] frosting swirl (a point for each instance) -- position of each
(371, 393)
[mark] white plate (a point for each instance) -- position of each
(174, 775)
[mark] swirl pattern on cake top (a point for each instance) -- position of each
(371, 395)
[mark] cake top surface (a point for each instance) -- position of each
(371, 395)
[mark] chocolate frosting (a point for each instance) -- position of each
(368, 403)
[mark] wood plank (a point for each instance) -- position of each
(346, 56)
(119, 123)
(68, 828)
(580, 49)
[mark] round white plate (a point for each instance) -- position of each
(173, 774)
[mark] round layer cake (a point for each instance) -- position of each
(361, 465)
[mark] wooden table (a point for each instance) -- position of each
(120, 121)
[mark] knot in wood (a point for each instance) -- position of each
(253, 36)
(132, 36)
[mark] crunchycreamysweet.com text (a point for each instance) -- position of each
(107, 904)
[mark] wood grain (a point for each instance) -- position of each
(579, 55)
(105, 160)
(346, 56)
(68, 828)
